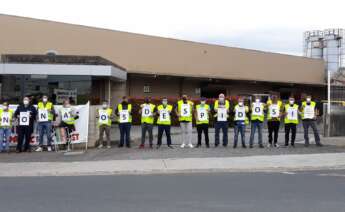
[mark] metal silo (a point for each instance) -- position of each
(313, 41)
(333, 49)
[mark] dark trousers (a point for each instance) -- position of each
(289, 127)
(221, 125)
(24, 133)
(202, 128)
(273, 131)
(125, 134)
(312, 124)
(166, 129)
(145, 127)
(240, 128)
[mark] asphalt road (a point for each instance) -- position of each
(304, 191)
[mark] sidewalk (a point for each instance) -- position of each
(277, 163)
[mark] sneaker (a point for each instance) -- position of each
(276, 145)
(207, 146)
(251, 146)
(244, 146)
(319, 145)
(198, 146)
(261, 146)
(190, 145)
(142, 146)
(171, 147)
(100, 146)
(49, 148)
(269, 145)
(151, 146)
(183, 145)
(234, 146)
(158, 146)
(39, 149)
(108, 147)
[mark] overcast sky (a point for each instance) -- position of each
(269, 25)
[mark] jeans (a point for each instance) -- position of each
(24, 133)
(145, 127)
(166, 129)
(202, 128)
(45, 128)
(254, 125)
(240, 128)
(224, 126)
(312, 124)
(5, 138)
(273, 131)
(289, 127)
(186, 132)
(104, 129)
(125, 134)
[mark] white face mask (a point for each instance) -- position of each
(257, 100)
(164, 102)
(308, 99)
(45, 99)
(221, 99)
(5, 107)
(291, 102)
(240, 103)
(202, 102)
(25, 102)
(105, 105)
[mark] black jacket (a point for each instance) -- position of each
(31, 108)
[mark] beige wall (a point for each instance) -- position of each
(154, 55)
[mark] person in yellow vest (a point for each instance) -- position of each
(201, 115)
(147, 111)
(104, 118)
(257, 119)
(68, 116)
(184, 112)
(45, 118)
(291, 114)
(164, 111)
(309, 113)
(221, 108)
(124, 112)
(274, 113)
(6, 119)
(241, 120)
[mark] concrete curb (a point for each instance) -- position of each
(274, 163)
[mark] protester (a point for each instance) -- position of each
(241, 120)
(257, 119)
(104, 116)
(124, 111)
(68, 116)
(164, 111)
(291, 114)
(309, 113)
(147, 111)
(202, 121)
(6, 120)
(221, 108)
(46, 114)
(274, 112)
(184, 112)
(26, 115)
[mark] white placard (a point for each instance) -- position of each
(164, 115)
(103, 117)
(274, 111)
(240, 114)
(292, 113)
(42, 115)
(185, 110)
(24, 118)
(124, 116)
(257, 109)
(222, 114)
(65, 114)
(309, 112)
(5, 119)
(202, 114)
(146, 111)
